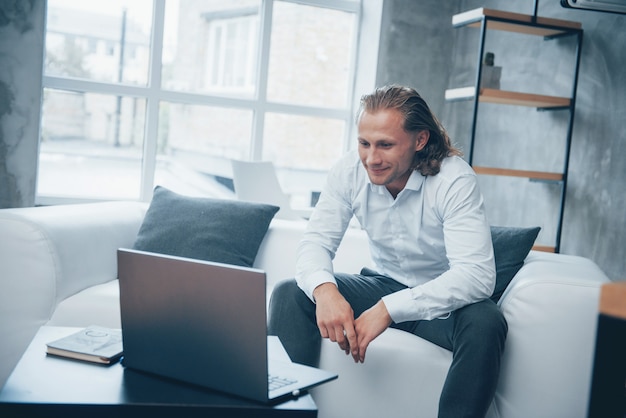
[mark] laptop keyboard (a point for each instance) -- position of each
(277, 382)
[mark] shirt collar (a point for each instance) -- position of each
(415, 182)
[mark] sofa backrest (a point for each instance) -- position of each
(277, 253)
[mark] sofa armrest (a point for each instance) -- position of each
(551, 307)
(50, 253)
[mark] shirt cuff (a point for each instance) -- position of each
(314, 280)
(398, 305)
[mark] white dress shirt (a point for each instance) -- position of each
(433, 237)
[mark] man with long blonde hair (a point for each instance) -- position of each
(423, 212)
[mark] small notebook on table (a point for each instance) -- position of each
(93, 344)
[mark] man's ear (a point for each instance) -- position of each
(422, 139)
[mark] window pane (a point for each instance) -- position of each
(310, 55)
(302, 148)
(99, 40)
(211, 46)
(91, 145)
(196, 144)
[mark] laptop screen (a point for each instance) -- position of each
(196, 321)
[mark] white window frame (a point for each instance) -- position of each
(368, 12)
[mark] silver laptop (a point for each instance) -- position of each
(204, 323)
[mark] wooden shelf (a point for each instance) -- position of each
(535, 175)
(508, 97)
(544, 248)
(515, 22)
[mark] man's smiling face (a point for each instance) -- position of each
(386, 149)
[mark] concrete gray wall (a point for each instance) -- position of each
(21, 59)
(419, 47)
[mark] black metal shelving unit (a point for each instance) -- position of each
(489, 19)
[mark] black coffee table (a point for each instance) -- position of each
(43, 385)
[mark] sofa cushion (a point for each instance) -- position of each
(223, 231)
(510, 247)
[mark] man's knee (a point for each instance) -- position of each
(287, 298)
(286, 291)
(485, 319)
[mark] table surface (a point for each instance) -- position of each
(48, 385)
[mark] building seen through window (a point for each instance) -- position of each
(143, 92)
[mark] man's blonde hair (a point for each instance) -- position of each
(417, 117)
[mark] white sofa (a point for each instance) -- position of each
(58, 267)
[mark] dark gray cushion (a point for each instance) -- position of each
(223, 231)
(510, 246)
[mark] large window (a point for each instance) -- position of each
(146, 92)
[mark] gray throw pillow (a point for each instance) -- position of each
(223, 231)
(510, 247)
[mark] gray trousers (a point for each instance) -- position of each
(475, 334)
